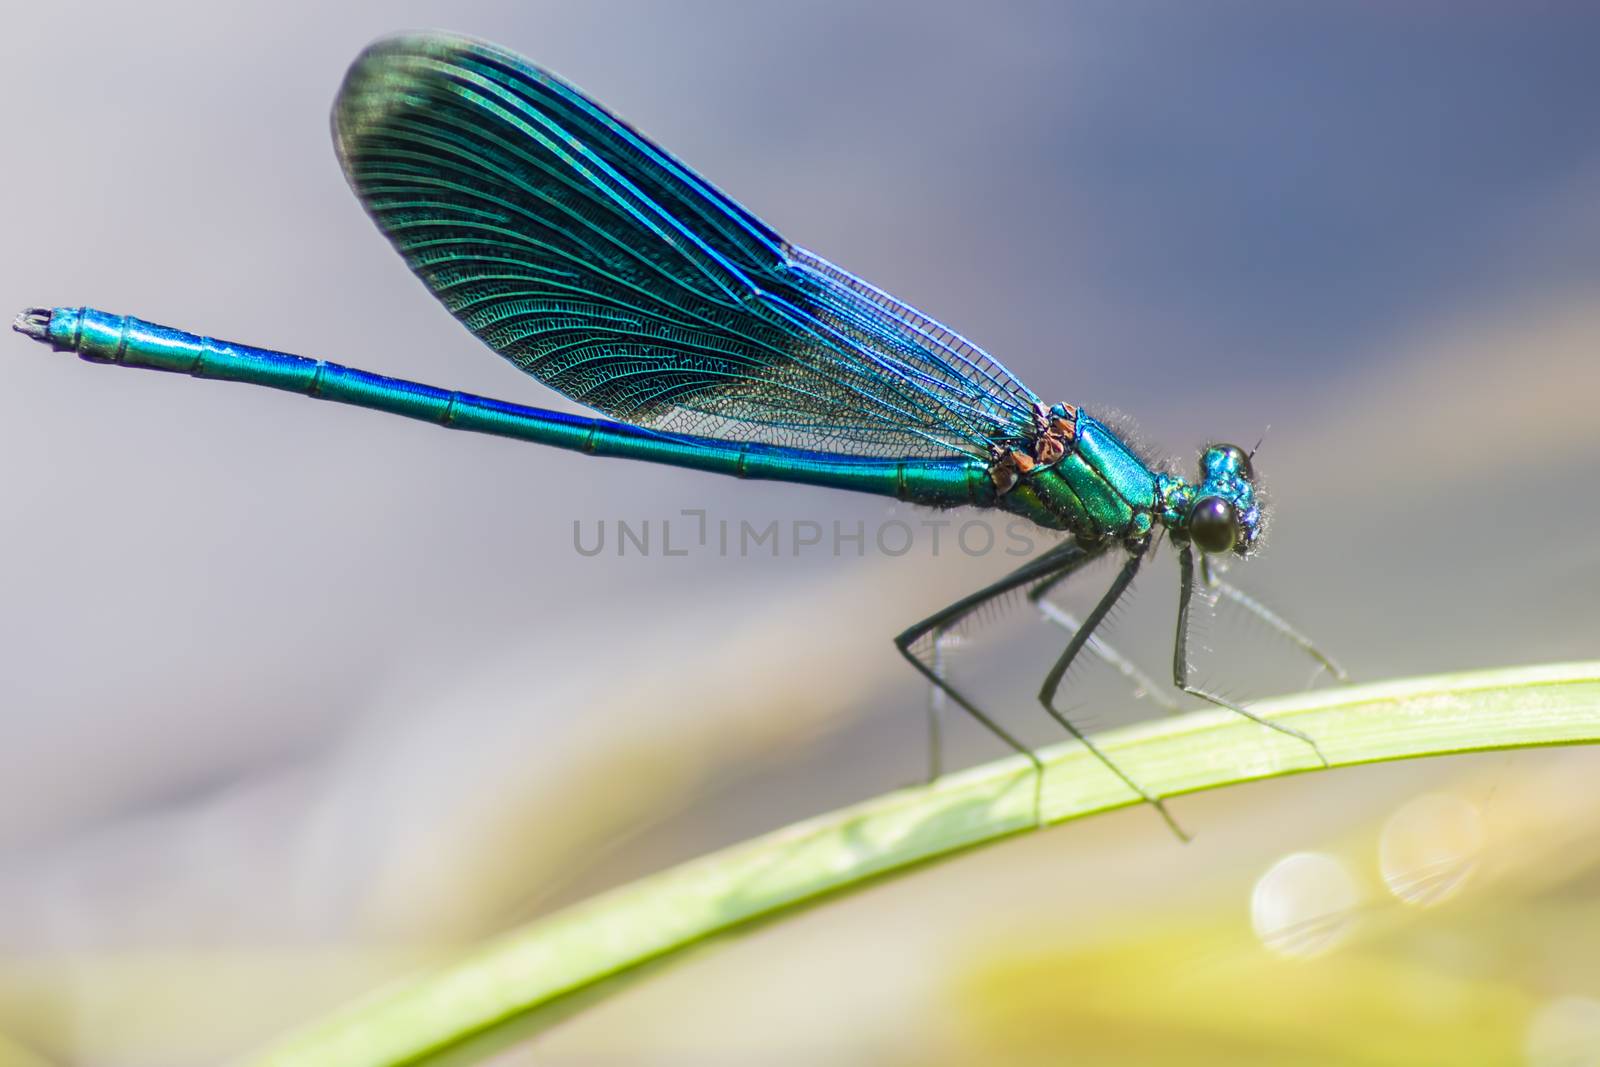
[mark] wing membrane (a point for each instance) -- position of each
(609, 271)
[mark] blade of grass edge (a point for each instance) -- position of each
(548, 962)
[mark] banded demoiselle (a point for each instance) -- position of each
(599, 264)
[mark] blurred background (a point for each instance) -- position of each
(295, 699)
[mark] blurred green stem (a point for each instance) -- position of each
(520, 982)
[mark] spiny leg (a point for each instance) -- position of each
(1052, 683)
(936, 702)
(1064, 557)
(1144, 686)
(1214, 580)
(1180, 659)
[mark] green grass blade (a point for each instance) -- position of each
(555, 964)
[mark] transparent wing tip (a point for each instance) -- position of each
(34, 322)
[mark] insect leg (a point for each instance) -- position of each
(1052, 683)
(1277, 622)
(1064, 557)
(1143, 685)
(1180, 658)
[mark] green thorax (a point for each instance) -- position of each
(1098, 489)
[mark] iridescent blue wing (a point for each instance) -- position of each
(612, 273)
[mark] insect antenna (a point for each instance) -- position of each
(1251, 455)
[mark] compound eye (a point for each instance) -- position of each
(1213, 526)
(1236, 458)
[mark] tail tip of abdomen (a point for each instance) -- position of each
(33, 322)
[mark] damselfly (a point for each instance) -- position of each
(602, 266)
